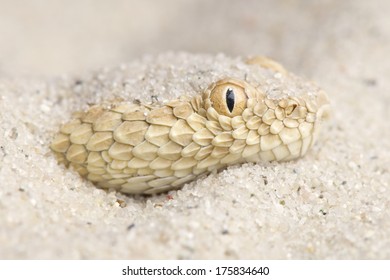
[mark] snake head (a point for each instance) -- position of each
(151, 148)
(253, 124)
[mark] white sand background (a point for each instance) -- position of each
(332, 204)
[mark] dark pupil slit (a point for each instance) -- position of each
(230, 99)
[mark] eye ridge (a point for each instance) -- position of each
(230, 99)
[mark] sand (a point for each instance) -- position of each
(331, 204)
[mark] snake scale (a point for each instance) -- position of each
(137, 147)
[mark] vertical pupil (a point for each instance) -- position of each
(230, 99)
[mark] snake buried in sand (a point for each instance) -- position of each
(136, 147)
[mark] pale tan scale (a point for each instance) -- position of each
(190, 150)
(96, 159)
(137, 163)
(289, 135)
(134, 116)
(311, 106)
(231, 158)
(225, 122)
(112, 171)
(290, 123)
(184, 163)
(264, 129)
(197, 122)
(160, 163)
(283, 103)
(241, 132)
(183, 180)
(203, 152)
(181, 133)
(120, 175)
(212, 114)
(183, 172)
(270, 141)
(141, 179)
(216, 167)
(81, 134)
(100, 141)
(197, 102)
(306, 143)
(219, 152)
(305, 129)
(280, 114)
(260, 109)
(106, 156)
(79, 169)
(203, 137)
(131, 132)
(92, 114)
(170, 150)
(129, 170)
(116, 182)
(135, 188)
(250, 150)
(268, 117)
(107, 121)
(295, 147)
(135, 147)
(214, 127)
(267, 156)
(253, 158)
(298, 113)
(199, 171)
(118, 164)
(157, 134)
(253, 138)
(276, 127)
(237, 146)
(123, 107)
(310, 117)
(183, 111)
(94, 177)
(161, 116)
(69, 127)
(163, 172)
(253, 123)
(237, 122)
(173, 103)
(207, 162)
(247, 114)
(76, 153)
(281, 152)
(251, 103)
(61, 143)
(145, 171)
(96, 170)
(120, 151)
(145, 151)
(202, 112)
(161, 182)
(224, 139)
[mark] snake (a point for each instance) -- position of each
(137, 147)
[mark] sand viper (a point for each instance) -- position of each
(136, 147)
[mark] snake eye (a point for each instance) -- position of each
(228, 98)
